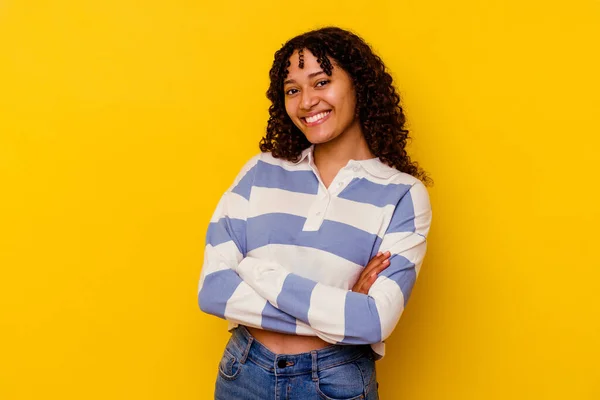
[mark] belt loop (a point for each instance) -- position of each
(313, 354)
(247, 350)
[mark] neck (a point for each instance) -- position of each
(351, 145)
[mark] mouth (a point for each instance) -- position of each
(316, 119)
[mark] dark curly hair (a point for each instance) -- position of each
(377, 102)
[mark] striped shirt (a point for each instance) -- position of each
(283, 251)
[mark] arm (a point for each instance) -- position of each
(221, 291)
(341, 316)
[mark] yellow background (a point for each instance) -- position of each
(122, 122)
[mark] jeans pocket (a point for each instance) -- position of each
(230, 366)
(342, 382)
(369, 374)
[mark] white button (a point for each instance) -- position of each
(355, 169)
(341, 184)
(318, 213)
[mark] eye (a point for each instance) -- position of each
(323, 83)
(290, 92)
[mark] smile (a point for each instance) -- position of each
(316, 119)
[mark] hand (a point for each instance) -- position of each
(369, 274)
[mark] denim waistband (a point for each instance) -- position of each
(247, 347)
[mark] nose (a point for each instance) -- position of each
(309, 99)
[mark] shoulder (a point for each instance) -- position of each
(386, 175)
(408, 187)
(267, 161)
(413, 208)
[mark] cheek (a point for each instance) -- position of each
(343, 99)
(350, 102)
(289, 108)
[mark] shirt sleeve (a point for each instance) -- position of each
(341, 316)
(221, 292)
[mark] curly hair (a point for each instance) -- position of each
(377, 102)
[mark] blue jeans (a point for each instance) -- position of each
(250, 371)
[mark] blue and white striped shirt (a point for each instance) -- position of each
(283, 251)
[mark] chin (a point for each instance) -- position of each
(319, 138)
(317, 141)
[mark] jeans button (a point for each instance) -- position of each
(281, 363)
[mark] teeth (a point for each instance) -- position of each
(317, 117)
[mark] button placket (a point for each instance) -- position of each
(336, 188)
(345, 176)
(317, 212)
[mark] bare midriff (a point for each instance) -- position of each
(283, 343)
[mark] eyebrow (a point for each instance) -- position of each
(310, 76)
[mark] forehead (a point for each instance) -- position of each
(310, 62)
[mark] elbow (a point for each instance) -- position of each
(204, 307)
(388, 326)
(374, 330)
(372, 335)
(202, 303)
(363, 324)
(369, 323)
(217, 288)
(209, 305)
(368, 334)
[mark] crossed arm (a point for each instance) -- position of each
(265, 295)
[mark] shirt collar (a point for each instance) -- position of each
(305, 153)
(377, 168)
(308, 152)
(374, 166)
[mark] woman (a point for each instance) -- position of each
(312, 253)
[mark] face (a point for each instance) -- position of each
(321, 106)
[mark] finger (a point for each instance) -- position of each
(374, 271)
(377, 269)
(378, 258)
(368, 277)
(369, 283)
(381, 255)
(384, 264)
(374, 263)
(366, 286)
(361, 282)
(357, 288)
(377, 264)
(368, 271)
